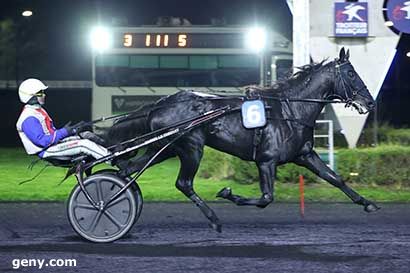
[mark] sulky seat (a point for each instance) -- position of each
(64, 161)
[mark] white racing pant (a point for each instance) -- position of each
(74, 146)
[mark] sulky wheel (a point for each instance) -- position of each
(134, 186)
(109, 224)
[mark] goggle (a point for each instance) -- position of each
(41, 93)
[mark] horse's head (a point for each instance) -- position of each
(349, 87)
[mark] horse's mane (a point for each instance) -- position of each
(295, 79)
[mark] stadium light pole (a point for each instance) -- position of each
(256, 40)
(20, 30)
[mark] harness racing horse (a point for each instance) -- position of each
(292, 108)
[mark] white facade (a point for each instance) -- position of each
(371, 56)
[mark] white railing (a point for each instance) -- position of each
(330, 143)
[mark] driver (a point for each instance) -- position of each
(38, 134)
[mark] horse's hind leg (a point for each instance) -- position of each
(190, 159)
(267, 171)
(136, 164)
(313, 162)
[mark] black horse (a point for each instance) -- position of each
(293, 106)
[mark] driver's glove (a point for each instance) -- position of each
(76, 128)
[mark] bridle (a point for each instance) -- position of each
(339, 77)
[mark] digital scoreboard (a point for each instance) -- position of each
(180, 40)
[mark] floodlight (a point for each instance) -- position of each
(408, 54)
(100, 38)
(256, 39)
(27, 13)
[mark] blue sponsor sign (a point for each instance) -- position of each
(351, 19)
(398, 12)
(253, 114)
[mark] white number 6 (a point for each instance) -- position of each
(253, 114)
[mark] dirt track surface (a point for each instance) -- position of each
(174, 237)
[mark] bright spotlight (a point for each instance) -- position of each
(27, 13)
(408, 54)
(256, 39)
(389, 23)
(100, 39)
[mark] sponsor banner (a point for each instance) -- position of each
(398, 12)
(351, 19)
(121, 104)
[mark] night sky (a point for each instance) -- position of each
(54, 41)
(61, 28)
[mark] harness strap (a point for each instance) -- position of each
(257, 137)
(296, 120)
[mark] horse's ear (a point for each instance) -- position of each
(347, 54)
(342, 54)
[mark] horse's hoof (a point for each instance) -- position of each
(371, 207)
(122, 173)
(215, 226)
(224, 193)
(120, 163)
(262, 206)
(265, 201)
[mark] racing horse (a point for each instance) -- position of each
(292, 107)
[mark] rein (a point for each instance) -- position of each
(300, 100)
(338, 78)
(348, 101)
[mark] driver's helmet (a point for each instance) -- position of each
(29, 88)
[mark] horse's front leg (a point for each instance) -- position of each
(313, 162)
(267, 171)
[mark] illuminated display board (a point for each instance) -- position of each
(180, 40)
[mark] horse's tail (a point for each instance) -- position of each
(139, 113)
(129, 126)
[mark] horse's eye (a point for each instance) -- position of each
(350, 73)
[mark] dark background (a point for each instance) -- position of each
(53, 44)
(59, 30)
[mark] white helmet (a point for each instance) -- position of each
(29, 88)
